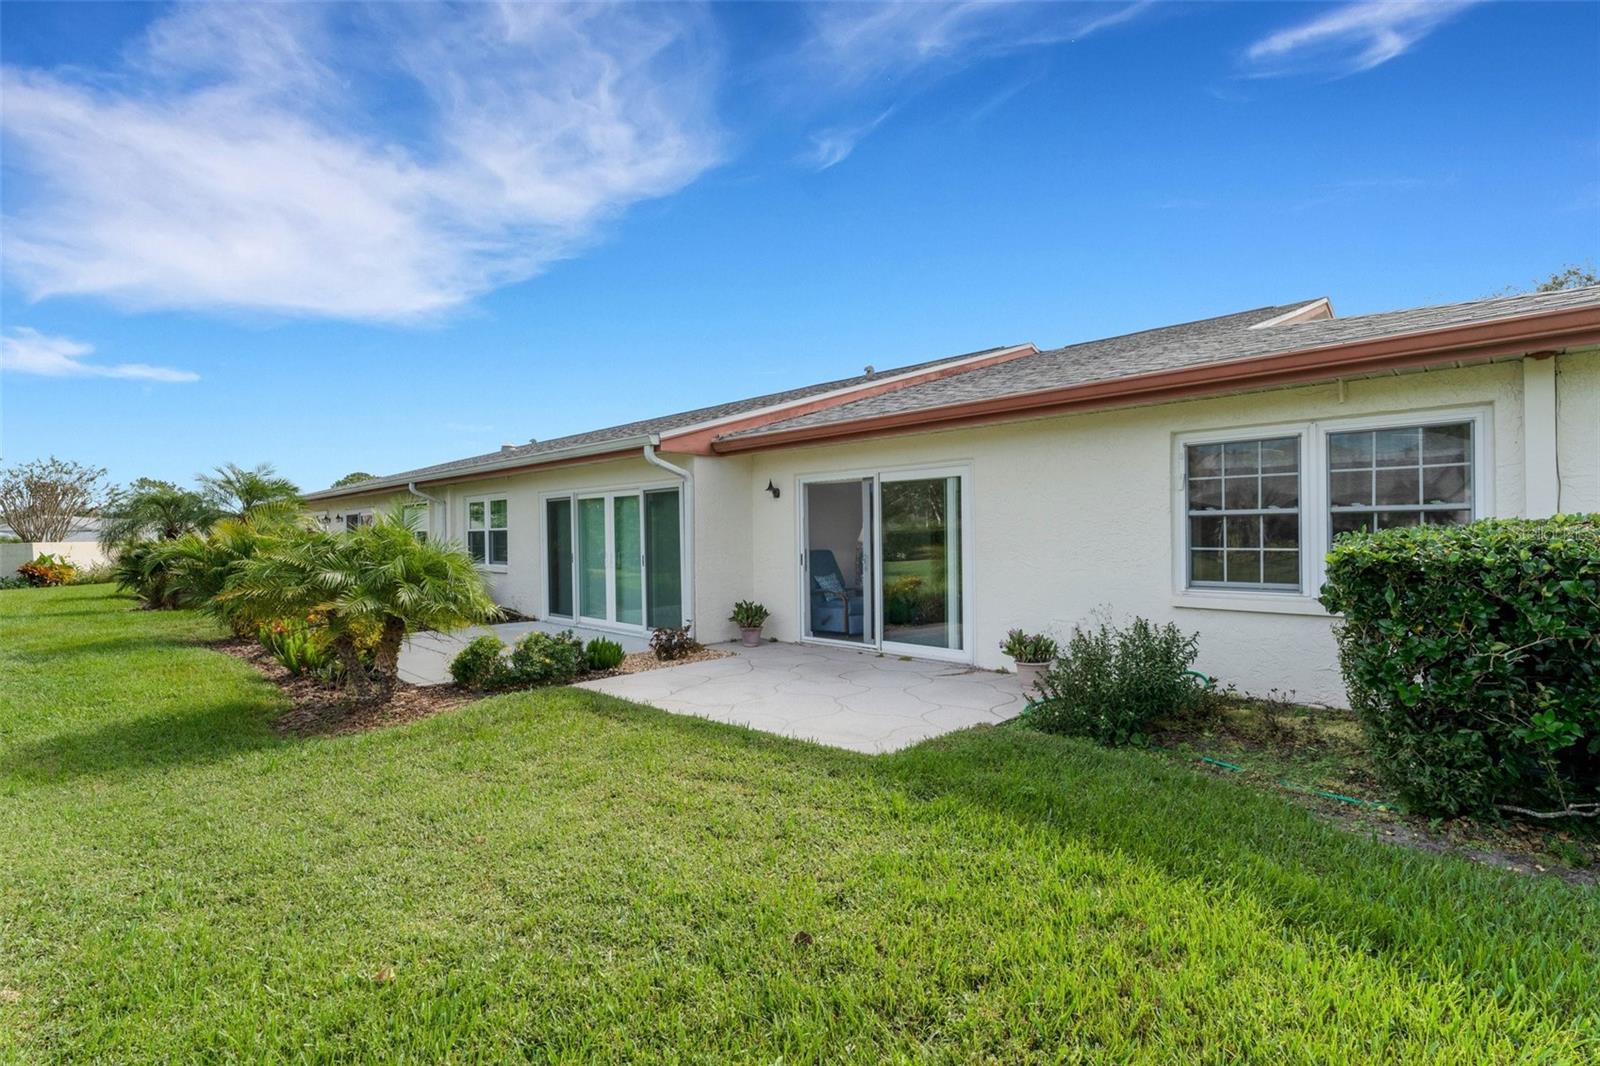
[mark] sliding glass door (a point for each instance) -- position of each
(884, 562)
(922, 563)
(617, 555)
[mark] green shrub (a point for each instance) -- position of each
(673, 642)
(1030, 647)
(101, 573)
(1472, 654)
(542, 659)
(47, 571)
(603, 654)
(299, 648)
(1110, 684)
(480, 666)
(12, 583)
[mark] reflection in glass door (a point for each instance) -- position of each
(921, 533)
(837, 560)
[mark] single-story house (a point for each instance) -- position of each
(1194, 473)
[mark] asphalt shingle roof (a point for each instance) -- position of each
(1211, 340)
(643, 427)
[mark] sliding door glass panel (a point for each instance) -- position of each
(922, 563)
(663, 569)
(592, 558)
(628, 554)
(558, 540)
(838, 560)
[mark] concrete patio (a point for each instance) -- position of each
(836, 696)
(858, 700)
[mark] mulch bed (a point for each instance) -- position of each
(317, 711)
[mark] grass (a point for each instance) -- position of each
(562, 875)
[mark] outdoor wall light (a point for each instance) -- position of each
(773, 489)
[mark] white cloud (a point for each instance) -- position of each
(830, 147)
(1352, 38)
(858, 42)
(255, 158)
(904, 46)
(27, 351)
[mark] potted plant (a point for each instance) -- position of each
(749, 616)
(1032, 653)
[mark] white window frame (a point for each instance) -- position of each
(421, 529)
(609, 623)
(467, 530)
(1315, 517)
(962, 468)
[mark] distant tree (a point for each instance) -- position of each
(1571, 276)
(236, 491)
(49, 499)
(150, 509)
(353, 477)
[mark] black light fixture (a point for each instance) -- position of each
(773, 489)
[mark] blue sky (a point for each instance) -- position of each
(341, 238)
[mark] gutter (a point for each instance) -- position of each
(1569, 327)
(687, 478)
(444, 508)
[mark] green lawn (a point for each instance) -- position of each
(558, 875)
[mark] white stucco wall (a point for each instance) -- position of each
(1578, 430)
(1074, 514)
(80, 553)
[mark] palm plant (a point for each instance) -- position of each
(376, 578)
(154, 510)
(236, 491)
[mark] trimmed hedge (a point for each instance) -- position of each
(1472, 654)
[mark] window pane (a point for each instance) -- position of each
(628, 549)
(558, 549)
(663, 570)
(1347, 450)
(1205, 494)
(1244, 566)
(1397, 447)
(592, 558)
(922, 541)
(1281, 530)
(1281, 491)
(1281, 568)
(1444, 484)
(475, 515)
(475, 545)
(497, 514)
(1346, 522)
(1243, 531)
(1351, 488)
(1205, 460)
(1401, 485)
(1241, 457)
(1241, 493)
(1446, 518)
(1447, 444)
(1205, 532)
(1205, 566)
(1394, 519)
(1281, 455)
(498, 547)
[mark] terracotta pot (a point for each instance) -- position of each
(1029, 674)
(750, 637)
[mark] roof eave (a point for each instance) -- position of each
(1568, 327)
(595, 452)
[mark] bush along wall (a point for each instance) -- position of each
(1472, 654)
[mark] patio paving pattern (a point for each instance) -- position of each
(837, 696)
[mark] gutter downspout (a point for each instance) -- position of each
(444, 508)
(687, 478)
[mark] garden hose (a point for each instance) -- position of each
(1303, 789)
